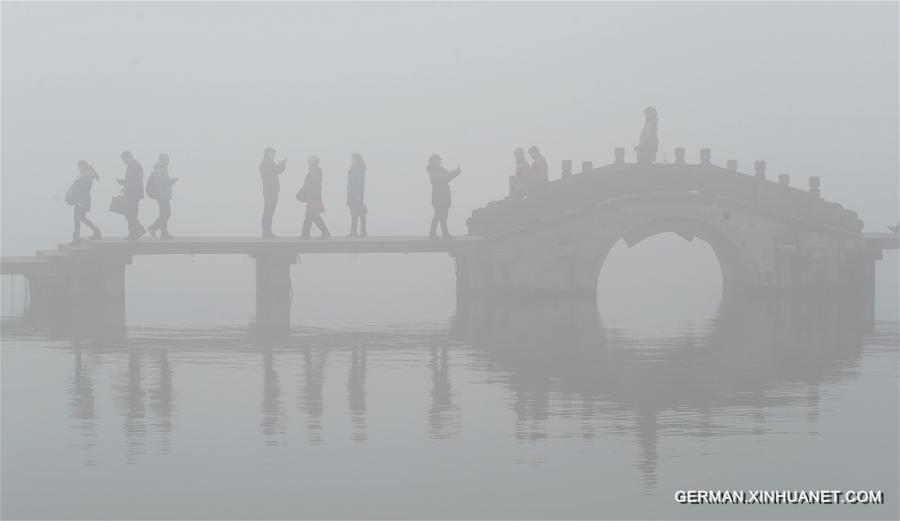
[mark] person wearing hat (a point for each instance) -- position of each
(649, 141)
(269, 171)
(440, 194)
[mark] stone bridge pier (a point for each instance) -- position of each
(86, 292)
(79, 292)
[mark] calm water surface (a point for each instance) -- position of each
(497, 410)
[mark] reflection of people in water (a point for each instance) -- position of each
(82, 406)
(311, 391)
(135, 409)
(272, 412)
(162, 402)
(356, 392)
(442, 416)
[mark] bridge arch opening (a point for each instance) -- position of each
(659, 283)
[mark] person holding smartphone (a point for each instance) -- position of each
(269, 171)
(440, 194)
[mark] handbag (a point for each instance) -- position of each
(302, 195)
(119, 205)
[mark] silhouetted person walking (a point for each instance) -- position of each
(522, 179)
(133, 191)
(356, 189)
(159, 187)
(649, 141)
(311, 194)
(440, 194)
(269, 171)
(539, 177)
(79, 196)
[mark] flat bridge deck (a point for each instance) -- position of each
(237, 245)
(883, 241)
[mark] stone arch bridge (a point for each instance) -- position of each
(768, 236)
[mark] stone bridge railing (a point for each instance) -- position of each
(596, 186)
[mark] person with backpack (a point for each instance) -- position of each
(159, 187)
(79, 196)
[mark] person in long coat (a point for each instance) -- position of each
(133, 191)
(356, 189)
(649, 140)
(539, 176)
(79, 196)
(312, 195)
(269, 171)
(440, 194)
(522, 178)
(159, 187)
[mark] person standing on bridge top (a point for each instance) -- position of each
(79, 196)
(159, 187)
(133, 191)
(311, 194)
(356, 188)
(269, 171)
(522, 179)
(649, 140)
(539, 177)
(440, 194)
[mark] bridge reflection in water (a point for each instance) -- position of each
(561, 351)
(553, 359)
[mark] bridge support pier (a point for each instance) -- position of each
(273, 291)
(85, 294)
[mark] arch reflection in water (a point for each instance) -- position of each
(560, 361)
